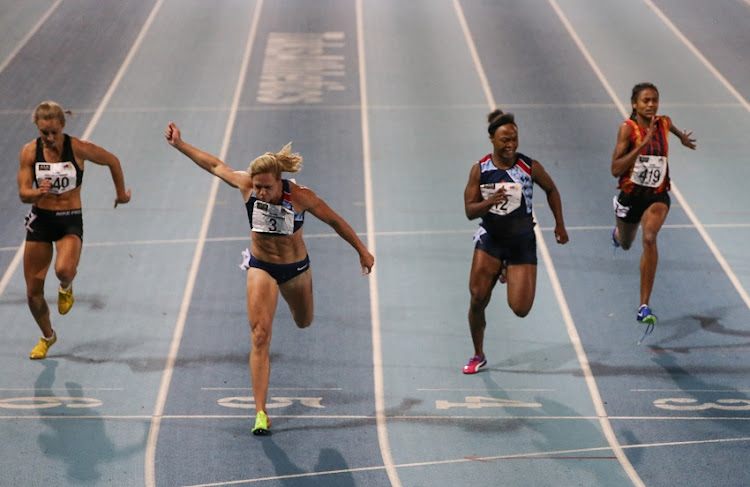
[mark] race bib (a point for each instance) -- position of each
(61, 174)
(270, 218)
(513, 194)
(649, 171)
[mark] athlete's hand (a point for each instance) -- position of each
(367, 261)
(173, 135)
(686, 140)
(122, 199)
(45, 186)
(561, 235)
(652, 126)
(498, 197)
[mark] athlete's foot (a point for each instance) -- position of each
(615, 243)
(475, 363)
(65, 300)
(40, 351)
(262, 424)
(645, 315)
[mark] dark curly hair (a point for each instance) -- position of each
(497, 118)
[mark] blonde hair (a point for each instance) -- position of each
(283, 161)
(49, 110)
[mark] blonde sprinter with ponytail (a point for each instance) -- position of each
(277, 260)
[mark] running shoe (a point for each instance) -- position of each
(475, 363)
(65, 300)
(645, 315)
(503, 278)
(615, 243)
(262, 424)
(40, 351)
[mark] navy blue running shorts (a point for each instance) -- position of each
(282, 272)
(515, 250)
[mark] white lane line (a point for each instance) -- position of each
(448, 107)
(542, 455)
(683, 202)
(19, 250)
(63, 417)
(28, 36)
(4, 389)
(736, 94)
(608, 88)
(377, 351)
(11, 268)
(451, 106)
(413, 417)
(150, 454)
(289, 477)
(689, 390)
(700, 227)
(273, 389)
(424, 389)
(94, 120)
(404, 233)
(560, 296)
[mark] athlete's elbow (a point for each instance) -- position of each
(26, 198)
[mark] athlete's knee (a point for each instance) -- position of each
(521, 311)
(65, 273)
(303, 321)
(521, 307)
(261, 336)
(649, 239)
(479, 300)
(625, 241)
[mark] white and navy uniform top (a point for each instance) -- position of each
(513, 217)
(65, 176)
(274, 219)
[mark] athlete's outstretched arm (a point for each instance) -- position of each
(210, 163)
(306, 199)
(87, 151)
(684, 136)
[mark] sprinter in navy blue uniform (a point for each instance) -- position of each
(499, 191)
(50, 178)
(277, 260)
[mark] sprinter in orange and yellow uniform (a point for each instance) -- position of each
(640, 162)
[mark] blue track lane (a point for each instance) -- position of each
(678, 405)
(321, 377)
